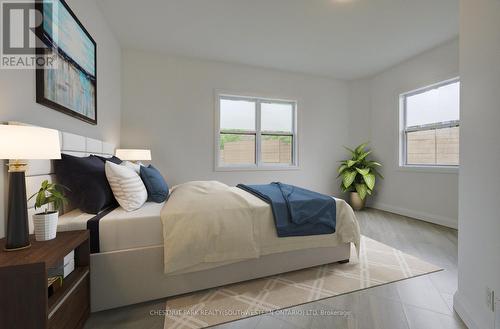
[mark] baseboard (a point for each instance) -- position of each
(461, 306)
(436, 219)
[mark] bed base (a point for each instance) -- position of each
(132, 276)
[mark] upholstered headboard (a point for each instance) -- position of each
(40, 170)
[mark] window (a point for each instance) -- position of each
(430, 125)
(256, 133)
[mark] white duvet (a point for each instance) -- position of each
(208, 224)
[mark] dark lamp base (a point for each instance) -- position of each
(17, 237)
(16, 249)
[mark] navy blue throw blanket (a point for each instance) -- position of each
(297, 211)
(93, 227)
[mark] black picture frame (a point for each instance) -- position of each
(41, 72)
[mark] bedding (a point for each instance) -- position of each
(93, 227)
(127, 186)
(119, 229)
(206, 222)
(155, 184)
(134, 166)
(104, 159)
(205, 225)
(209, 224)
(85, 178)
(296, 211)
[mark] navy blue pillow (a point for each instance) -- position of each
(87, 182)
(155, 184)
(111, 159)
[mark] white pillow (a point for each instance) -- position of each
(127, 186)
(134, 166)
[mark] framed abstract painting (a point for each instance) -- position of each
(70, 87)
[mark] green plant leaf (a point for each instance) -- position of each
(347, 189)
(364, 155)
(41, 199)
(361, 147)
(55, 193)
(368, 191)
(373, 164)
(348, 169)
(50, 193)
(57, 204)
(351, 163)
(377, 173)
(361, 189)
(350, 150)
(363, 171)
(342, 168)
(34, 194)
(369, 180)
(348, 178)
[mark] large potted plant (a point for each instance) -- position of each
(358, 175)
(52, 197)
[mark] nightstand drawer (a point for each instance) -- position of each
(72, 311)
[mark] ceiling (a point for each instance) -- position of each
(345, 39)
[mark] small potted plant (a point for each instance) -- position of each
(52, 196)
(358, 175)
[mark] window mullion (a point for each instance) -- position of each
(258, 153)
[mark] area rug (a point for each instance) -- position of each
(377, 264)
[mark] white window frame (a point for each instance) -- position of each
(403, 130)
(259, 164)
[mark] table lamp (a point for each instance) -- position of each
(18, 144)
(133, 154)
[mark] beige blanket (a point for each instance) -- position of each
(208, 224)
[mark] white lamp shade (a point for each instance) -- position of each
(27, 142)
(133, 154)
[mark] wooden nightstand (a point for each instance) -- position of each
(24, 300)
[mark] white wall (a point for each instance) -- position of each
(360, 114)
(479, 206)
(17, 92)
(168, 105)
(425, 195)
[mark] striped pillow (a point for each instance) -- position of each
(127, 186)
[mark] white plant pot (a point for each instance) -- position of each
(45, 225)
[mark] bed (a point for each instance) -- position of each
(129, 267)
(128, 271)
